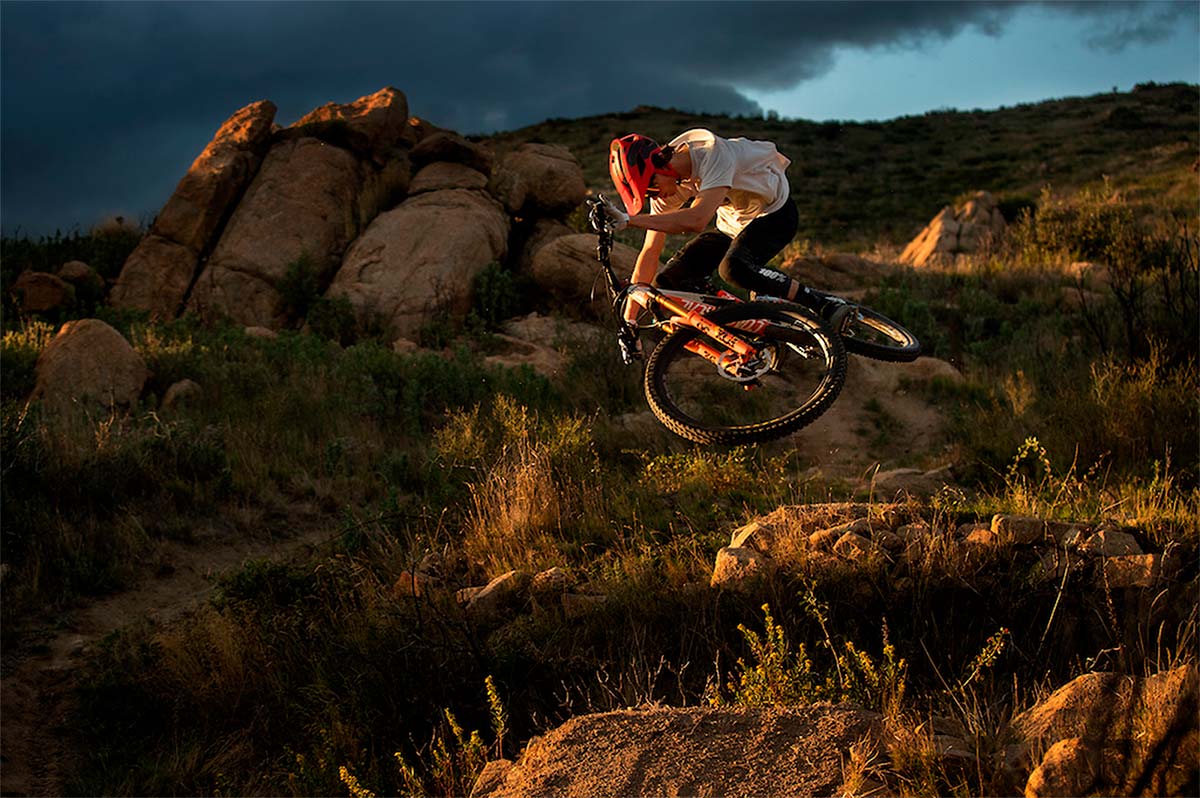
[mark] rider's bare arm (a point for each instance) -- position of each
(692, 219)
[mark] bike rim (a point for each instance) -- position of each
(703, 398)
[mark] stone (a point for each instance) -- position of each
(181, 394)
(157, 274)
(419, 260)
(1071, 767)
(823, 539)
(441, 175)
(1111, 709)
(444, 145)
(974, 227)
(539, 180)
(88, 362)
(265, 333)
(536, 236)
(491, 778)
(982, 537)
(42, 292)
(375, 123)
(911, 533)
(566, 268)
(736, 567)
(577, 605)
(1130, 571)
(852, 545)
(912, 481)
(301, 205)
(755, 534)
(501, 593)
(888, 540)
(87, 281)
(1018, 529)
(552, 581)
(1110, 543)
(156, 277)
(414, 583)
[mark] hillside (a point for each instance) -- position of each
(863, 183)
(395, 519)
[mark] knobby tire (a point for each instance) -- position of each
(792, 327)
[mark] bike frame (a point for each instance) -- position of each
(680, 308)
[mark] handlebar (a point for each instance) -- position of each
(602, 226)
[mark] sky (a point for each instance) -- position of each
(103, 106)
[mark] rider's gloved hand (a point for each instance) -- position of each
(617, 216)
(630, 346)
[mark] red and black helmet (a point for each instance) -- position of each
(632, 161)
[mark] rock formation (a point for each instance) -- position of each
(967, 229)
(158, 274)
(357, 201)
(91, 365)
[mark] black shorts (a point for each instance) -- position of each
(740, 261)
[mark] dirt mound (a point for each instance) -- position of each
(742, 751)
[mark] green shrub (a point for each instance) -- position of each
(19, 350)
(494, 295)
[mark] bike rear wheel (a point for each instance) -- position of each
(799, 372)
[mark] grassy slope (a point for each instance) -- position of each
(291, 671)
(863, 183)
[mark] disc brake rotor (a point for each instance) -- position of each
(732, 367)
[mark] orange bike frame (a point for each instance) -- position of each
(690, 313)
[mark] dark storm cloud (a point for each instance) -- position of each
(105, 104)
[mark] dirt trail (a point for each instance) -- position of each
(35, 692)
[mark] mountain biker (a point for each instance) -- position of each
(696, 176)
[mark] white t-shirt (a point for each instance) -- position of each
(753, 171)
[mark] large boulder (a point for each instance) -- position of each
(532, 237)
(539, 180)
(157, 274)
(89, 363)
(42, 292)
(566, 267)
(374, 124)
(420, 259)
(1152, 721)
(301, 205)
(969, 228)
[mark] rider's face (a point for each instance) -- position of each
(662, 186)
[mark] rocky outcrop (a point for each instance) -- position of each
(566, 267)
(89, 364)
(157, 274)
(1110, 734)
(539, 180)
(794, 538)
(420, 259)
(972, 227)
(374, 125)
(354, 200)
(299, 207)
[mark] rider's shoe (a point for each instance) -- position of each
(629, 344)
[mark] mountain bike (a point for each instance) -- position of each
(728, 371)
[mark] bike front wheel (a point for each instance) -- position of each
(798, 372)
